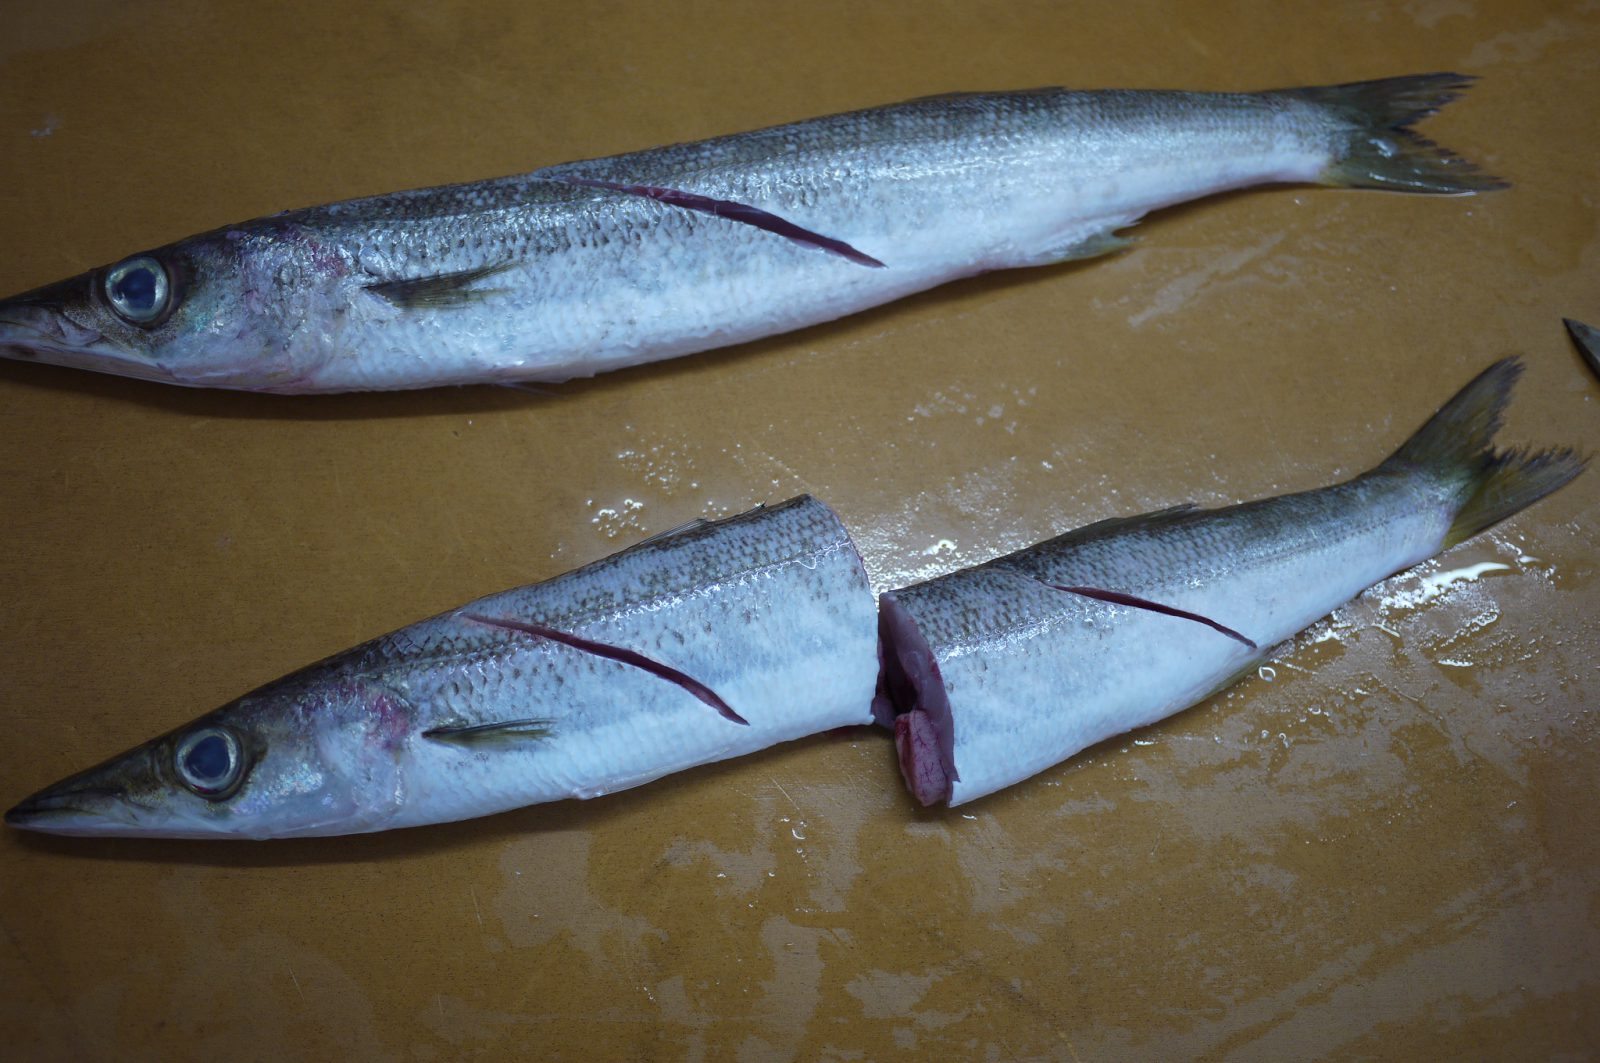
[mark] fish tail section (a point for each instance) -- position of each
(910, 688)
(1381, 150)
(1456, 447)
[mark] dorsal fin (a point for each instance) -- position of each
(1159, 518)
(688, 525)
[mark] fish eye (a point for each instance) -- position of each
(139, 290)
(210, 762)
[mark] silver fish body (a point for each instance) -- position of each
(584, 267)
(693, 647)
(997, 672)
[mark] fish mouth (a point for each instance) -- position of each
(106, 799)
(72, 810)
(33, 332)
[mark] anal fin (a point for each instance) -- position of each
(1106, 242)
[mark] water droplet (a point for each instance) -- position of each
(1267, 673)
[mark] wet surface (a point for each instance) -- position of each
(1382, 846)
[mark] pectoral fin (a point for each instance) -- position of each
(438, 291)
(504, 733)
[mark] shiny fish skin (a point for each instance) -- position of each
(997, 673)
(771, 610)
(564, 272)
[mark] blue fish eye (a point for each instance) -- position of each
(208, 758)
(138, 290)
(209, 761)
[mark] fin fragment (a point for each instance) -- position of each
(1587, 340)
(1381, 149)
(438, 291)
(620, 654)
(1119, 598)
(734, 211)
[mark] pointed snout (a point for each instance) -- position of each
(68, 810)
(48, 325)
(30, 330)
(97, 801)
(58, 811)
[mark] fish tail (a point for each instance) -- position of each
(1456, 447)
(1381, 150)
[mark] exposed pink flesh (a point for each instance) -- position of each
(734, 211)
(615, 653)
(1118, 598)
(918, 747)
(911, 689)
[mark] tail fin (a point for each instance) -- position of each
(1381, 150)
(1456, 447)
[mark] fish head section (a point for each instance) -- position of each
(293, 760)
(249, 308)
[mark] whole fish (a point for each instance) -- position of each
(994, 673)
(691, 647)
(589, 266)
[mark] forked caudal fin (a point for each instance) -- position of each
(1381, 150)
(1456, 446)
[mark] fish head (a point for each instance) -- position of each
(296, 759)
(245, 308)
